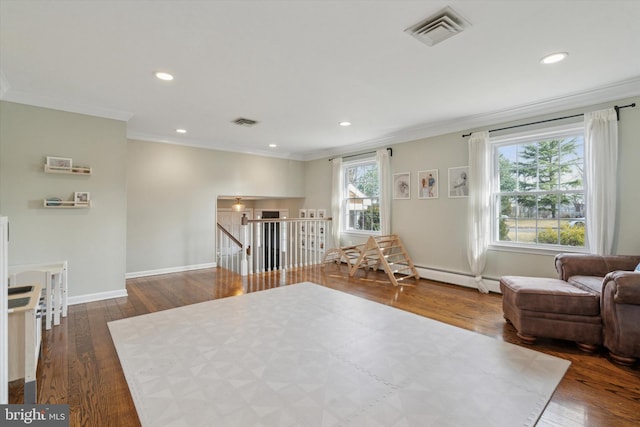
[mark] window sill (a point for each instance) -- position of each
(535, 250)
(360, 233)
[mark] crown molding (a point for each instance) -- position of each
(19, 97)
(612, 92)
(207, 145)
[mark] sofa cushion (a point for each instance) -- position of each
(587, 283)
(549, 296)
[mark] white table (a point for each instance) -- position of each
(24, 342)
(55, 278)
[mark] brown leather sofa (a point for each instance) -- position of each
(595, 300)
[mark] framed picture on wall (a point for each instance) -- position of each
(402, 185)
(458, 182)
(81, 197)
(428, 184)
(60, 163)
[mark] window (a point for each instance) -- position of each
(361, 197)
(538, 196)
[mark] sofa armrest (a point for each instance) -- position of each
(568, 265)
(626, 286)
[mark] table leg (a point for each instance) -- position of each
(64, 290)
(48, 312)
(30, 366)
(57, 298)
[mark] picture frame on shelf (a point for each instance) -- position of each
(402, 186)
(322, 213)
(302, 213)
(81, 197)
(428, 182)
(311, 213)
(59, 163)
(458, 182)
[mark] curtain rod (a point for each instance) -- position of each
(552, 120)
(389, 149)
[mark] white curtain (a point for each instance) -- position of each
(479, 215)
(337, 185)
(384, 167)
(601, 163)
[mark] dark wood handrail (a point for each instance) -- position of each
(288, 219)
(229, 235)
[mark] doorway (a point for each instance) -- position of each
(271, 240)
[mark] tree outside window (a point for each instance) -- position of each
(362, 196)
(539, 196)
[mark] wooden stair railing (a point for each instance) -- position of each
(229, 235)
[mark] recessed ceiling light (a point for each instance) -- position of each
(272, 145)
(164, 76)
(554, 57)
(181, 130)
(345, 124)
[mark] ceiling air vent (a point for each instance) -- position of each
(438, 27)
(241, 121)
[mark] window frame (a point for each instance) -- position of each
(344, 212)
(535, 135)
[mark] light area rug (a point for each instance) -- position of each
(306, 355)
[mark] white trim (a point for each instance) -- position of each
(157, 272)
(82, 299)
(64, 105)
(617, 91)
(460, 279)
(209, 145)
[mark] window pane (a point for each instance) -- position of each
(506, 220)
(508, 168)
(526, 219)
(572, 163)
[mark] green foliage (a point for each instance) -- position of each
(541, 166)
(370, 219)
(569, 236)
(365, 178)
(507, 180)
(504, 230)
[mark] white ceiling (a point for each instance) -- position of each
(300, 67)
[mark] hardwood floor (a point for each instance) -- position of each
(79, 365)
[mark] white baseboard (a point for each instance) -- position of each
(169, 270)
(81, 299)
(457, 279)
(425, 273)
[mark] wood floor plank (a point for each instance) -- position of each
(80, 366)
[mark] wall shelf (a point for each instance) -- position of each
(65, 204)
(75, 170)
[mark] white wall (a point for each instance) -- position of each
(154, 204)
(172, 193)
(92, 240)
(434, 230)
